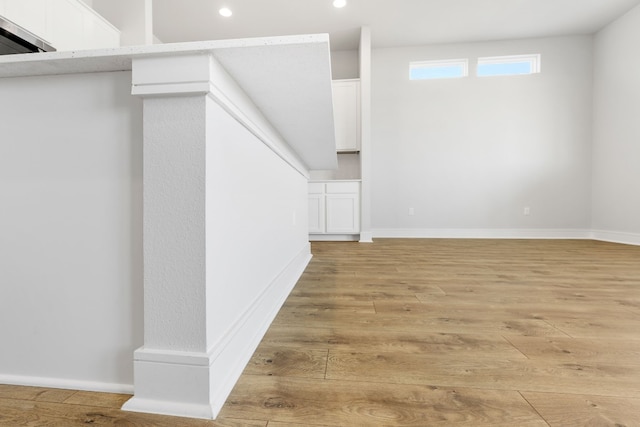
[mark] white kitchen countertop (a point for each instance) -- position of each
(335, 180)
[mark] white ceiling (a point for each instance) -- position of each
(392, 22)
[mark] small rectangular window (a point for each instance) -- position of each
(508, 65)
(441, 69)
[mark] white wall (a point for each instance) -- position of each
(344, 64)
(616, 166)
(348, 168)
(71, 230)
(469, 154)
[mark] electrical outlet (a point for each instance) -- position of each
(412, 211)
(527, 211)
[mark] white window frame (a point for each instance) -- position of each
(463, 63)
(533, 59)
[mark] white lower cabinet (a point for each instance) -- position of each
(342, 213)
(316, 213)
(334, 208)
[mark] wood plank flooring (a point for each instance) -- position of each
(425, 333)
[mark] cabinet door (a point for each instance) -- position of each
(67, 26)
(28, 14)
(316, 213)
(346, 114)
(343, 213)
(98, 32)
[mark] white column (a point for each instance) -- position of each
(217, 267)
(366, 234)
(172, 369)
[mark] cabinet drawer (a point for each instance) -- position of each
(316, 188)
(343, 187)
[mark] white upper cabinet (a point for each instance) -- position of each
(100, 33)
(66, 36)
(346, 114)
(64, 24)
(29, 14)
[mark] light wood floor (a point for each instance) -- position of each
(426, 333)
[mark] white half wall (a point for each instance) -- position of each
(616, 136)
(264, 220)
(472, 153)
(221, 229)
(257, 247)
(226, 241)
(71, 231)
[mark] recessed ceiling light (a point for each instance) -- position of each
(226, 12)
(339, 3)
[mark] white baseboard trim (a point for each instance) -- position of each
(238, 350)
(197, 385)
(176, 409)
(366, 237)
(334, 237)
(489, 233)
(616, 237)
(66, 384)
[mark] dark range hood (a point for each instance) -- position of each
(15, 39)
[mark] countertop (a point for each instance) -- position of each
(334, 180)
